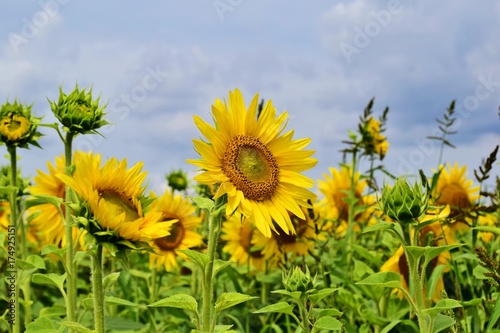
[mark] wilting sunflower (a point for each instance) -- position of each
(46, 217)
(178, 216)
(454, 189)
(430, 235)
(256, 166)
(113, 195)
(239, 235)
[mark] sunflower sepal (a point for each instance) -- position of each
(18, 127)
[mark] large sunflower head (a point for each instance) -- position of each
(18, 127)
(239, 235)
(453, 188)
(46, 217)
(254, 164)
(78, 111)
(114, 196)
(179, 216)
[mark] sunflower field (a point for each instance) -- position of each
(250, 244)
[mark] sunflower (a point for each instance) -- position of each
(18, 127)
(377, 141)
(430, 235)
(454, 189)
(113, 195)
(281, 244)
(179, 216)
(239, 235)
(257, 167)
(46, 217)
(31, 234)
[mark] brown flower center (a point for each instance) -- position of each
(300, 229)
(251, 167)
(172, 241)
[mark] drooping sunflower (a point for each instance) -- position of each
(179, 216)
(239, 235)
(453, 188)
(256, 166)
(113, 194)
(46, 217)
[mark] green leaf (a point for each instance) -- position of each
(437, 273)
(227, 300)
(36, 261)
(495, 315)
(77, 327)
(42, 325)
(479, 272)
(40, 199)
(122, 324)
(432, 252)
(56, 310)
(442, 305)
(320, 294)
(52, 249)
(383, 279)
(198, 258)
(293, 294)
(382, 225)
(219, 265)
(203, 203)
(415, 251)
(223, 329)
(327, 323)
(180, 301)
(50, 279)
(442, 322)
(118, 301)
(494, 230)
(281, 307)
(110, 280)
(390, 326)
(318, 312)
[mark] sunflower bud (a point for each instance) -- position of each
(78, 112)
(402, 202)
(177, 180)
(296, 280)
(18, 127)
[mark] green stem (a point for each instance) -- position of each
(349, 237)
(304, 316)
(98, 290)
(21, 242)
(214, 228)
(70, 251)
(416, 290)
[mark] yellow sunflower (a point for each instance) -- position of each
(256, 166)
(46, 217)
(113, 195)
(239, 235)
(15, 127)
(178, 216)
(281, 245)
(453, 188)
(378, 142)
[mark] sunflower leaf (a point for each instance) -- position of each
(119, 301)
(432, 252)
(379, 226)
(203, 203)
(442, 305)
(41, 199)
(179, 301)
(198, 258)
(320, 294)
(228, 300)
(49, 280)
(219, 265)
(327, 323)
(281, 307)
(383, 279)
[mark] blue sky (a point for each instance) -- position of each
(158, 63)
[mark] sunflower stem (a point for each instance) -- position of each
(214, 229)
(70, 251)
(97, 289)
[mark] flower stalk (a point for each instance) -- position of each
(97, 289)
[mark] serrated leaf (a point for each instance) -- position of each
(432, 252)
(41, 325)
(320, 294)
(219, 265)
(179, 301)
(379, 226)
(109, 280)
(383, 279)
(203, 203)
(118, 301)
(442, 305)
(50, 279)
(40, 199)
(76, 327)
(293, 294)
(198, 258)
(227, 300)
(53, 311)
(327, 323)
(281, 307)
(318, 312)
(442, 322)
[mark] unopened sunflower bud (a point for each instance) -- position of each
(78, 112)
(18, 127)
(297, 280)
(402, 202)
(177, 180)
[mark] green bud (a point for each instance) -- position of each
(402, 202)
(18, 127)
(78, 112)
(297, 280)
(177, 180)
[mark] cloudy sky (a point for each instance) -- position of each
(158, 63)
